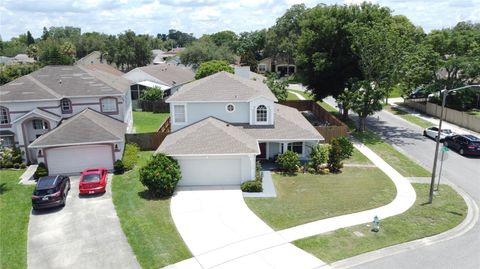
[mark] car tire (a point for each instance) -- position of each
(424, 133)
(445, 143)
(462, 152)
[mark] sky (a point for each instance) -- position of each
(200, 16)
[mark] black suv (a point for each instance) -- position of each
(50, 191)
(464, 144)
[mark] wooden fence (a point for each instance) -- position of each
(150, 141)
(336, 127)
(155, 106)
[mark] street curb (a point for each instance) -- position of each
(467, 224)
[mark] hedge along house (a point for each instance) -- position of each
(48, 99)
(223, 123)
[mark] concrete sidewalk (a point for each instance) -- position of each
(434, 120)
(404, 199)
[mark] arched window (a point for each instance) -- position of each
(261, 113)
(66, 106)
(109, 105)
(4, 116)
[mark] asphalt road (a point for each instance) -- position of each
(460, 252)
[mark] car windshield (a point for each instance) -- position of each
(91, 178)
(46, 182)
(447, 131)
(44, 192)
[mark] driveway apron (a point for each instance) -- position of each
(222, 232)
(86, 233)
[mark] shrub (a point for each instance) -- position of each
(130, 156)
(16, 165)
(341, 148)
(319, 154)
(252, 186)
(8, 164)
(23, 166)
(16, 156)
(41, 171)
(152, 94)
(160, 175)
(118, 167)
(311, 170)
(288, 161)
(258, 171)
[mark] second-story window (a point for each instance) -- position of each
(40, 125)
(4, 116)
(179, 114)
(109, 105)
(66, 106)
(261, 113)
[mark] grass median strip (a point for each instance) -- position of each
(146, 221)
(15, 207)
(145, 122)
(408, 117)
(305, 197)
(421, 220)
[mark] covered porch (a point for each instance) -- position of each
(270, 149)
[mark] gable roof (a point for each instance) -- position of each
(209, 137)
(222, 86)
(57, 82)
(169, 74)
(40, 112)
(87, 127)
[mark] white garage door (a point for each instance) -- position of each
(75, 159)
(196, 172)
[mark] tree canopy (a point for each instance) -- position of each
(211, 67)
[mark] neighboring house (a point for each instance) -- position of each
(23, 59)
(6, 60)
(278, 65)
(67, 116)
(94, 57)
(223, 123)
(165, 76)
(158, 56)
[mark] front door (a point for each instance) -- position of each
(263, 151)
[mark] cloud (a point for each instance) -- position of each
(199, 16)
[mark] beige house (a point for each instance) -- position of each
(278, 65)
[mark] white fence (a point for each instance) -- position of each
(459, 118)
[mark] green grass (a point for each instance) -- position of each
(421, 220)
(358, 158)
(146, 221)
(305, 197)
(409, 117)
(292, 96)
(145, 122)
(306, 95)
(405, 166)
(396, 92)
(15, 207)
(474, 112)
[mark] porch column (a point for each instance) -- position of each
(252, 166)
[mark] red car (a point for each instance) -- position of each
(93, 180)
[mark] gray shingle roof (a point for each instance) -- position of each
(222, 86)
(290, 124)
(168, 73)
(208, 137)
(56, 82)
(87, 127)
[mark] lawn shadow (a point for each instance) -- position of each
(455, 213)
(90, 196)
(149, 196)
(3, 188)
(47, 211)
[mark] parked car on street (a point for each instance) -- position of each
(50, 191)
(464, 144)
(432, 132)
(93, 180)
(418, 93)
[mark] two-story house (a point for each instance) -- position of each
(222, 123)
(70, 117)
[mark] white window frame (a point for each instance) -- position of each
(264, 68)
(175, 121)
(290, 147)
(4, 116)
(226, 108)
(9, 138)
(63, 102)
(266, 114)
(44, 124)
(104, 109)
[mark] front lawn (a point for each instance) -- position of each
(146, 221)
(291, 96)
(15, 207)
(421, 220)
(305, 197)
(145, 122)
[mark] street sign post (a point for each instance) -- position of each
(444, 150)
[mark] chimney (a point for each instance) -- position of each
(242, 71)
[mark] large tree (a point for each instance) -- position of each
(204, 50)
(211, 67)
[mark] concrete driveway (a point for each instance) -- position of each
(222, 232)
(86, 233)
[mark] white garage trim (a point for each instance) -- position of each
(74, 159)
(214, 170)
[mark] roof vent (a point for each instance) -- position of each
(228, 124)
(59, 81)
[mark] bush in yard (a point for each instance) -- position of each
(152, 94)
(340, 149)
(23, 166)
(252, 186)
(160, 175)
(288, 161)
(118, 167)
(258, 171)
(319, 155)
(41, 171)
(130, 156)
